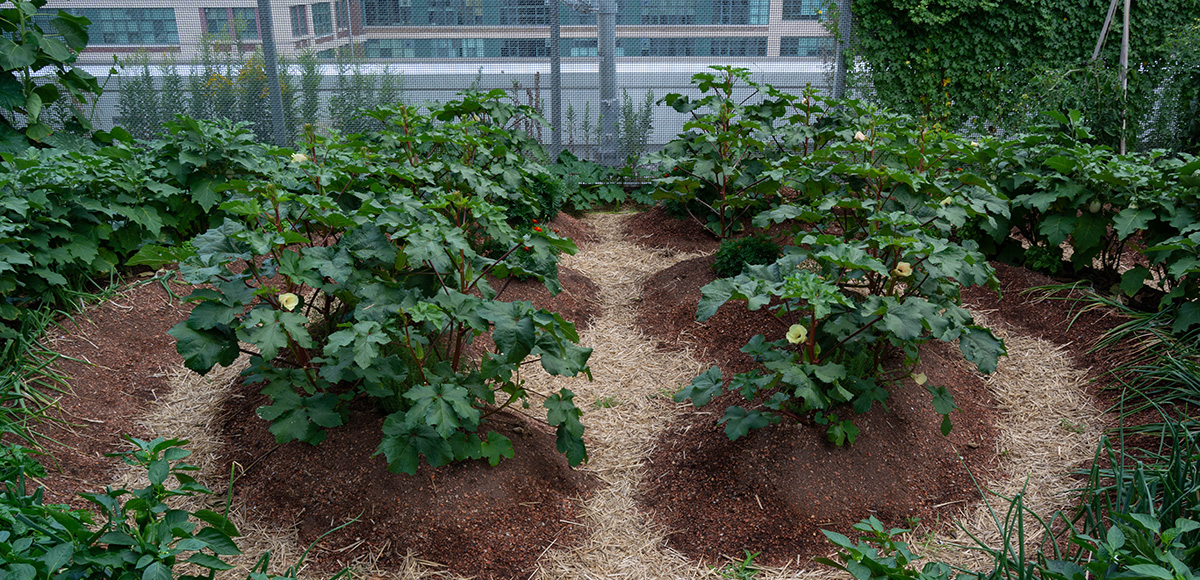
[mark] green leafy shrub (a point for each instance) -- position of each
(725, 161)
(368, 278)
(25, 54)
(68, 216)
(735, 254)
(871, 276)
(1062, 190)
(938, 58)
(541, 202)
(587, 185)
(141, 535)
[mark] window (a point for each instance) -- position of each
(342, 10)
(391, 48)
(570, 17)
(668, 12)
(322, 17)
(580, 46)
(455, 12)
(130, 26)
(299, 20)
(525, 12)
(525, 48)
(216, 22)
(741, 12)
(805, 45)
(456, 48)
(731, 11)
(755, 46)
(802, 9)
(245, 22)
(387, 12)
(656, 46)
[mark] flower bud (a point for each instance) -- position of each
(1094, 206)
(289, 301)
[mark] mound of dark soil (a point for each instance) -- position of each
(568, 226)
(774, 490)
(479, 520)
(657, 229)
(116, 355)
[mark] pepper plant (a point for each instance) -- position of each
(871, 276)
(371, 280)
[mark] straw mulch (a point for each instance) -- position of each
(1048, 428)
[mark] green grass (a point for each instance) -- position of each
(29, 383)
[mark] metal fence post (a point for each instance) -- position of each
(606, 50)
(555, 79)
(841, 54)
(270, 66)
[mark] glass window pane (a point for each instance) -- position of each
(245, 21)
(299, 20)
(342, 11)
(802, 9)
(216, 22)
(130, 26)
(322, 18)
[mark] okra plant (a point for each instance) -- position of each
(370, 279)
(724, 167)
(872, 274)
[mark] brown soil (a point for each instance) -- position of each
(778, 487)
(657, 229)
(479, 520)
(576, 303)
(1057, 318)
(122, 354)
(578, 230)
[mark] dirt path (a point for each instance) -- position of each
(626, 406)
(1048, 427)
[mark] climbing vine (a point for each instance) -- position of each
(979, 61)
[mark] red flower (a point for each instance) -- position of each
(535, 228)
(535, 221)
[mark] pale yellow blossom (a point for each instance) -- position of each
(289, 301)
(797, 334)
(299, 158)
(902, 270)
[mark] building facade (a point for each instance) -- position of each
(451, 29)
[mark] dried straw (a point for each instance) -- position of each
(627, 368)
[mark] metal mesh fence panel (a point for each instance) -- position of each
(206, 58)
